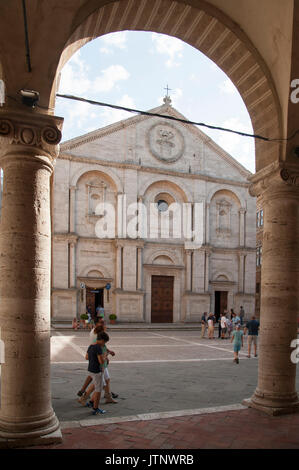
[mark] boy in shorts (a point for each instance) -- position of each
(96, 359)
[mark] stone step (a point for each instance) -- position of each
(136, 326)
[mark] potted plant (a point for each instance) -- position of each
(112, 318)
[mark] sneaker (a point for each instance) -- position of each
(98, 411)
(79, 394)
(109, 399)
(114, 395)
(82, 400)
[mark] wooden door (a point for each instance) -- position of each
(90, 300)
(162, 299)
(223, 301)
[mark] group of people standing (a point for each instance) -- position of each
(231, 327)
(91, 319)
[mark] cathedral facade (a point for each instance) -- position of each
(153, 221)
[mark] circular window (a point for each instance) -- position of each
(162, 205)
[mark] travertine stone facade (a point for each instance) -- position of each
(129, 162)
(150, 159)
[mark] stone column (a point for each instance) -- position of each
(72, 209)
(118, 270)
(278, 186)
(28, 148)
(207, 270)
(188, 270)
(241, 272)
(72, 266)
(242, 213)
(139, 269)
(207, 224)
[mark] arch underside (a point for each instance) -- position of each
(213, 34)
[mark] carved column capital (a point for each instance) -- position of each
(29, 133)
(280, 176)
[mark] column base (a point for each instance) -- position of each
(274, 410)
(17, 442)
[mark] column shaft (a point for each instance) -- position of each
(25, 243)
(276, 389)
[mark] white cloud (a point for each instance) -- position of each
(169, 46)
(227, 87)
(109, 77)
(110, 116)
(74, 76)
(113, 41)
(241, 148)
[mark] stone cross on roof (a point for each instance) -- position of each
(167, 99)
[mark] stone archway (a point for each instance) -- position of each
(210, 31)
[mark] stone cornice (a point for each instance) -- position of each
(277, 174)
(149, 169)
(122, 242)
(69, 237)
(29, 133)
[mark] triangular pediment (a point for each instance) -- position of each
(153, 141)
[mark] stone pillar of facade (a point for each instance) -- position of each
(242, 232)
(207, 241)
(278, 187)
(198, 273)
(72, 264)
(241, 272)
(139, 268)
(207, 270)
(28, 148)
(73, 209)
(118, 270)
(188, 270)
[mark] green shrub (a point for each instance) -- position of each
(112, 316)
(84, 316)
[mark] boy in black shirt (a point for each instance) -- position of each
(96, 360)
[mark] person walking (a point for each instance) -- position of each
(203, 324)
(96, 360)
(238, 342)
(252, 327)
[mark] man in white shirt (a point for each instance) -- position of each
(223, 325)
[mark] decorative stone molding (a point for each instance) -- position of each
(166, 142)
(66, 237)
(274, 174)
(25, 132)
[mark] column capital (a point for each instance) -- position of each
(29, 133)
(280, 175)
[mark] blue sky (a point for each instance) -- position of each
(133, 68)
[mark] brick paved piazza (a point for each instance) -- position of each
(153, 372)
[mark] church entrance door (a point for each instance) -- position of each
(220, 303)
(94, 297)
(162, 299)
